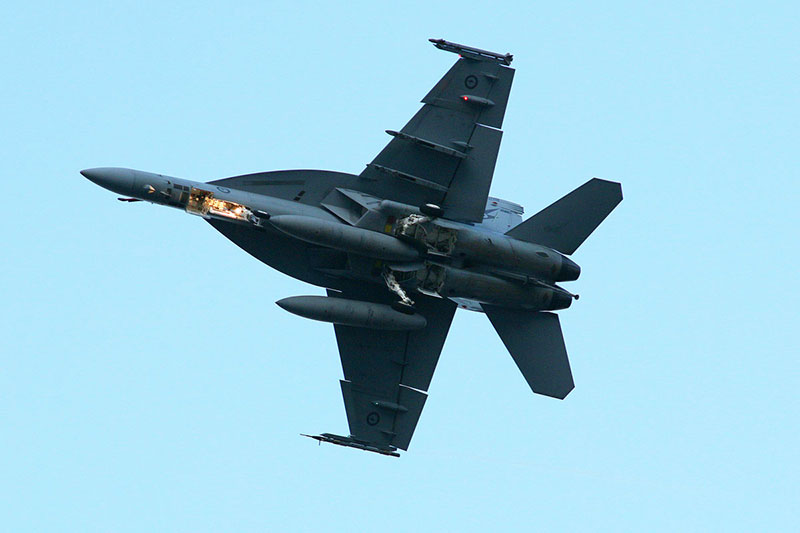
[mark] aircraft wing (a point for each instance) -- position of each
(446, 153)
(386, 374)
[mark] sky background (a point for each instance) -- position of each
(149, 383)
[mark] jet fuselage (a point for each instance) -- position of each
(405, 243)
(398, 246)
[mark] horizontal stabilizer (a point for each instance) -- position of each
(535, 342)
(564, 225)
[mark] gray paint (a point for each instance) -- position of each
(352, 313)
(346, 238)
(366, 240)
(537, 346)
(565, 224)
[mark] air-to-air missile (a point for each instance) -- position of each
(353, 443)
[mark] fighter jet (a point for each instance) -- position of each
(402, 245)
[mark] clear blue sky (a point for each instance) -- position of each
(149, 383)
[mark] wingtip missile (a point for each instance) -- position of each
(350, 442)
(472, 53)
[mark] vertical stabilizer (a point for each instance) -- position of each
(564, 225)
(535, 342)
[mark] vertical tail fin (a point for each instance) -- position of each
(535, 342)
(564, 225)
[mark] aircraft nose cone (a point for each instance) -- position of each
(118, 180)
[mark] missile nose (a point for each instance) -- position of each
(118, 180)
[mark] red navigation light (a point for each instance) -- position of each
(465, 98)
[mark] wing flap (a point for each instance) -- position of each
(469, 189)
(387, 372)
(383, 418)
(454, 137)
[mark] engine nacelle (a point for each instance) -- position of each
(466, 245)
(457, 283)
(515, 255)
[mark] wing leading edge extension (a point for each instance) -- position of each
(446, 153)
